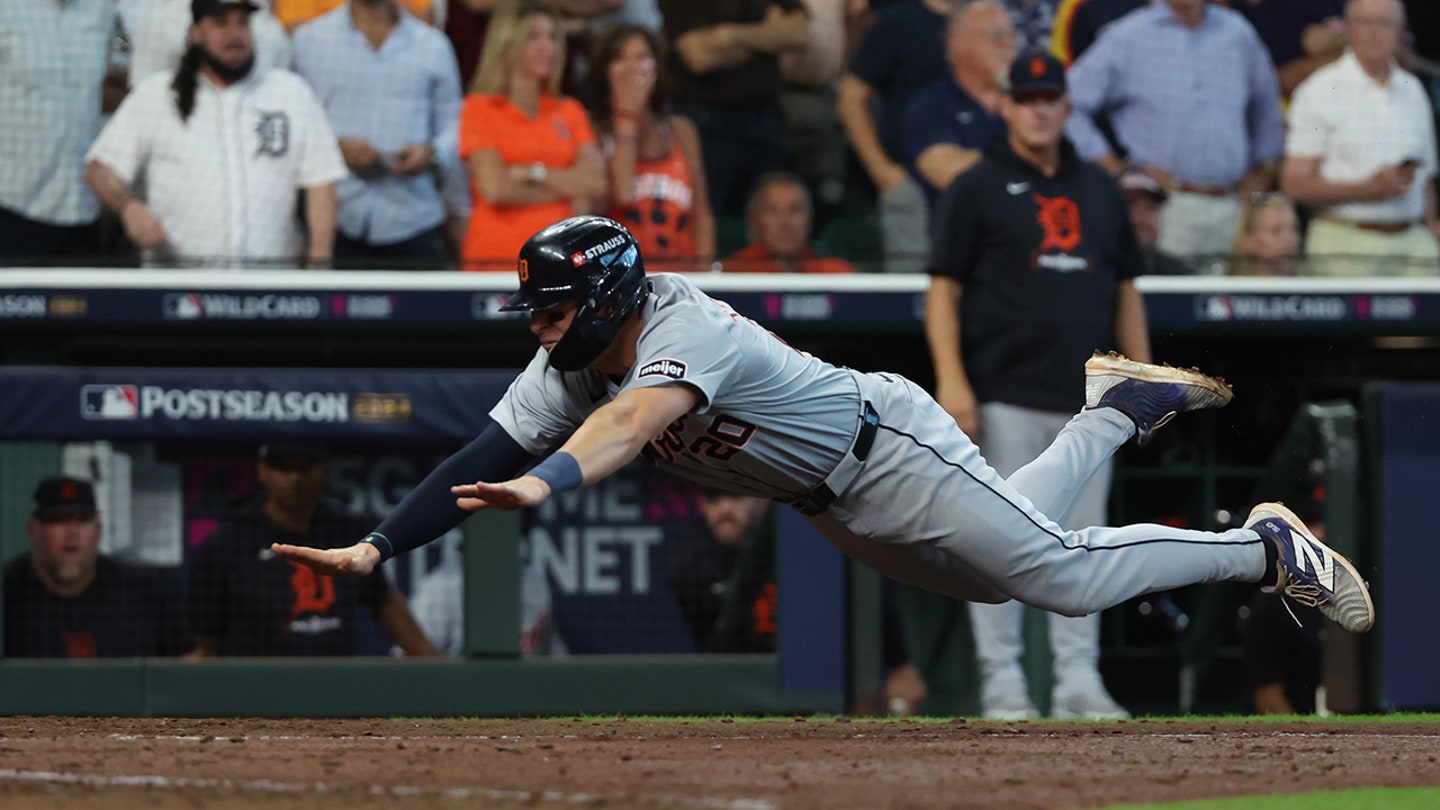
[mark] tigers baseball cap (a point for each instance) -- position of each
(1037, 72)
(200, 9)
(63, 495)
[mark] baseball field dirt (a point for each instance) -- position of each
(165, 764)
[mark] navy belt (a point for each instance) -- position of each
(819, 499)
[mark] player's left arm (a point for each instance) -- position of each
(606, 441)
(394, 617)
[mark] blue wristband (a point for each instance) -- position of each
(561, 471)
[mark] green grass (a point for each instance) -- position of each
(1362, 799)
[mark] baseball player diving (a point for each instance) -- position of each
(631, 364)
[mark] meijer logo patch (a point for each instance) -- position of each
(674, 369)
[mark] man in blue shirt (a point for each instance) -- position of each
(1193, 99)
(391, 88)
(948, 123)
(901, 53)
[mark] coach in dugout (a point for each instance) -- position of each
(1033, 268)
(222, 148)
(64, 599)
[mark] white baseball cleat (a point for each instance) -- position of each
(1311, 573)
(1150, 395)
(1094, 704)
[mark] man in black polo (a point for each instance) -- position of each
(64, 599)
(1032, 269)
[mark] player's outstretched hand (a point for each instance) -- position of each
(527, 490)
(355, 561)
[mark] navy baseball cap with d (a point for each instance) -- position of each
(1037, 72)
(63, 495)
(200, 9)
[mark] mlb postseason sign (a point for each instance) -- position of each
(245, 404)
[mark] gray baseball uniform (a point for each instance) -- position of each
(880, 469)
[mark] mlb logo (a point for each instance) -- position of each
(110, 402)
(577, 259)
(183, 306)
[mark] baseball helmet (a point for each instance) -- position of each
(589, 259)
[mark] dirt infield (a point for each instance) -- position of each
(159, 764)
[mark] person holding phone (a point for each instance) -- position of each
(1361, 153)
(397, 128)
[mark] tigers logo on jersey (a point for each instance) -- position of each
(273, 131)
(314, 593)
(1060, 219)
(674, 369)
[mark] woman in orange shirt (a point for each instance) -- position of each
(531, 152)
(657, 177)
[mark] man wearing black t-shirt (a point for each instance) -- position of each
(1033, 268)
(244, 600)
(66, 600)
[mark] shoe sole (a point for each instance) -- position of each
(1356, 621)
(1118, 365)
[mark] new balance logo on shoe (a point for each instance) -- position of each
(1310, 573)
(1318, 562)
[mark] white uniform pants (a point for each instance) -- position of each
(926, 510)
(1010, 437)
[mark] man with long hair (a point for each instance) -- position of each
(222, 146)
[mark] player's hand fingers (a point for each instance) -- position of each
(513, 494)
(313, 557)
(347, 562)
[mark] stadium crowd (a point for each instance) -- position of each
(434, 134)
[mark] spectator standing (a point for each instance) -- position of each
(902, 52)
(53, 66)
(780, 215)
(723, 575)
(1193, 99)
(1034, 268)
(161, 37)
(1361, 153)
(1268, 241)
(949, 122)
(222, 148)
(64, 599)
(1144, 197)
(657, 174)
(531, 151)
(724, 59)
(391, 89)
(246, 601)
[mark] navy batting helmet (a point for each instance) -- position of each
(589, 259)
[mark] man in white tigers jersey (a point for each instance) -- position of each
(631, 364)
